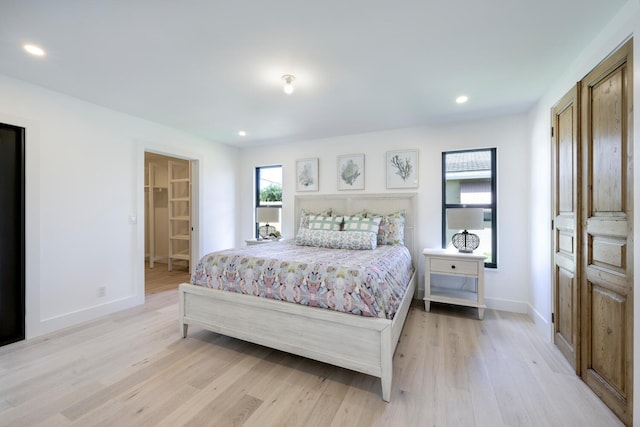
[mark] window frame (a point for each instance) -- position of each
(257, 202)
(493, 205)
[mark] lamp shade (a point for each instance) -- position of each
(268, 215)
(465, 218)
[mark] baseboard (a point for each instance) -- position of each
(66, 320)
(497, 304)
(506, 305)
(542, 324)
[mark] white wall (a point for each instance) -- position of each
(84, 179)
(507, 287)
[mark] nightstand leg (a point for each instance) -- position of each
(427, 305)
(480, 313)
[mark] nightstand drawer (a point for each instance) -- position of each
(454, 266)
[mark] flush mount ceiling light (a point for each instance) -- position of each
(34, 50)
(462, 99)
(242, 133)
(288, 83)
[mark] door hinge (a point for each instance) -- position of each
(551, 131)
(552, 224)
(553, 318)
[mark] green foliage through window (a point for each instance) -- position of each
(272, 193)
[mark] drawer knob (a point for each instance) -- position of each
(453, 267)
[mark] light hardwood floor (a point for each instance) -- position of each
(159, 279)
(133, 369)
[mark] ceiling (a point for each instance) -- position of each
(212, 68)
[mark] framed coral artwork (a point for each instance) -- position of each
(351, 172)
(307, 175)
(402, 169)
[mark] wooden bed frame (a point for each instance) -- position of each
(362, 344)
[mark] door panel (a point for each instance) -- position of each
(607, 279)
(609, 253)
(566, 178)
(565, 321)
(606, 143)
(607, 326)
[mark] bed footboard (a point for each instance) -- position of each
(353, 342)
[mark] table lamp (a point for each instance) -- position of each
(465, 219)
(267, 215)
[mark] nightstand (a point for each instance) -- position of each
(250, 242)
(442, 267)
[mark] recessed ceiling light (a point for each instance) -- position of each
(462, 99)
(242, 133)
(34, 50)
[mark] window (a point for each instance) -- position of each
(469, 181)
(268, 201)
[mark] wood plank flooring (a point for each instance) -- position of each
(132, 369)
(159, 279)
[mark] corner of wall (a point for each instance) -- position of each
(539, 320)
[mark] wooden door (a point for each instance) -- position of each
(607, 272)
(12, 265)
(566, 239)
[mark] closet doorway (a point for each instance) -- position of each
(12, 230)
(168, 221)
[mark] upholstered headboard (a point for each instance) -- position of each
(385, 203)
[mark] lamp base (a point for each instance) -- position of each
(465, 242)
(265, 231)
(465, 250)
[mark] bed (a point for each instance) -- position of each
(363, 343)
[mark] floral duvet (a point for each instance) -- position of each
(363, 282)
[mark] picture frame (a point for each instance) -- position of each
(402, 169)
(351, 172)
(307, 175)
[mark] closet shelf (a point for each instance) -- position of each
(180, 237)
(181, 255)
(179, 212)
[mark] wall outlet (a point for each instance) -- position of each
(101, 291)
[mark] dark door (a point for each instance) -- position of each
(12, 276)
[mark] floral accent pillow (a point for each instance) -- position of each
(391, 230)
(360, 240)
(361, 214)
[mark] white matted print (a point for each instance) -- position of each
(402, 169)
(307, 175)
(351, 172)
